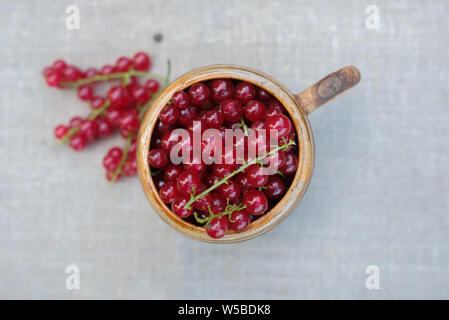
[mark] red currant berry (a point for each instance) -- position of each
(60, 131)
(77, 142)
(239, 220)
(107, 70)
(85, 92)
(197, 168)
(110, 174)
(218, 204)
(168, 192)
(140, 94)
(254, 110)
(187, 115)
(256, 202)
(211, 179)
(157, 158)
(129, 121)
(276, 160)
(274, 103)
(130, 168)
(203, 203)
(158, 182)
(53, 78)
(59, 65)
(172, 172)
(281, 123)
(97, 102)
(75, 122)
(232, 110)
(169, 114)
(110, 162)
(90, 73)
(123, 64)
(196, 125)
(221, 89)
(214, 119)
(244, 91)
(152, 85)
(180, 100)
(116, 152)
(113, 117)
(142, 61)
(89, 130)
(132, 149)
(290, 164)
(71, 73)
(272, 112)
(258, 125)
(199, 94)
(242, 180)
(47, 71)
(222, 170)
(169, 140)
(104, 129)
(217, 227)
(275, 187)
(162, 129)
(256, 176)
(188, 183)
(262, 94)
(178, 206)
(119, 97)
(230, 190)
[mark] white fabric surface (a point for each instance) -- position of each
(379, 194)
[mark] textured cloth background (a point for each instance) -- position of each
(379, 194)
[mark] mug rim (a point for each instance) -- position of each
(292, 195)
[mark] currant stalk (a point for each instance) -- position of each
(131, 135)
(112, 76)
(227, 212)
(257, 160)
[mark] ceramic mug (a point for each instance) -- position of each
(298, 106)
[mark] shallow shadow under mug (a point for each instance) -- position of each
(298, 107)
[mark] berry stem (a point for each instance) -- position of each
(91, 117)
(244, 127)
(67, 136)
(228, 211)
(100, 110)
(284, 146)
(143, 109)
(118, 171)
(106, 77)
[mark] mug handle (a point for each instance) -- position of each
(328, 88)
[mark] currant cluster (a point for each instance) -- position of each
(120, 110)
(226, 195)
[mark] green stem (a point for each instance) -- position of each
(100, 110)
(241, 169)
(118, 171)
(112, 76)
(244, 127)
(67, 136)
(227, 212)
(279, 172)
(143, 109)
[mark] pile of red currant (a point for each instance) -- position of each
(120, 110)
(229, 194)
